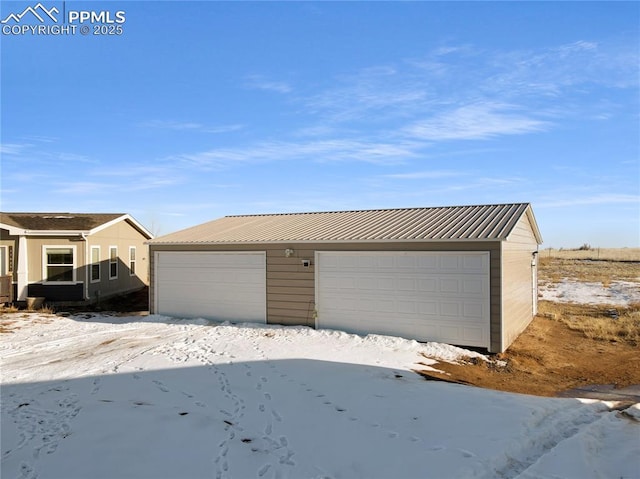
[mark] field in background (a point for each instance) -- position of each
(608, 254)
(599, 322)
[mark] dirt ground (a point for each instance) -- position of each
(548, 359)
(566, 347)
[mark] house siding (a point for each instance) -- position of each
(291, 287)
(122, 235)
(35, 255)
(518, 280)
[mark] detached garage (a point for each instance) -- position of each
(463, 275)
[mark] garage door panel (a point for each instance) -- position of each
(220, 286)
(422, 295)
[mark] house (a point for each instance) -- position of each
(463, 275)
(72, 257)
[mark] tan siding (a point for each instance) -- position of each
(35, 255)
(122, 235)
(517, 280)
(11, 243)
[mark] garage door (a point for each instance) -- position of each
(428, 296)
(221, 286)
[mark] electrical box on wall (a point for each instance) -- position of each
(306, 263)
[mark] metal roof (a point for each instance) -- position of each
(449, 223)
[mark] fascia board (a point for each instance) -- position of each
(128, 218)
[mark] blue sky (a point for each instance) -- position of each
(204, 109)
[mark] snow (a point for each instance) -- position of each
(99, 396)
(618, 293)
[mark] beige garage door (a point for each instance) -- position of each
(428, 296)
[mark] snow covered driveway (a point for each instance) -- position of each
(113, 397)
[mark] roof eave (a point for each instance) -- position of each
(125, 217)
(16, 231)
(291, 241)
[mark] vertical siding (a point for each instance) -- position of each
(291, 288)
(517, 280)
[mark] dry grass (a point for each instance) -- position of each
(594, 321)
(597, 322)
(605, 271)
(601, 254)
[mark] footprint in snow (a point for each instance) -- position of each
(263, 470)
(161, 386)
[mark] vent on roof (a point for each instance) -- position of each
(59, 217)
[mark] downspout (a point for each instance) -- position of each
(534, 280)
(87, 266)
(23, 271)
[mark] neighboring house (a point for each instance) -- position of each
(463, 275)
(72, 256)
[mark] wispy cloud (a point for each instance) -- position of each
(259, 82)
(425, 175)
(600, 199)
(85, 188)
(321, 150)
(475, 122)
(190, 126)
(13, 148)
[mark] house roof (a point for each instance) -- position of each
(64, 223)
(450, 223)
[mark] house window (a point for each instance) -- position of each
(113, 262)
(95, 264)
(59, 264)
(132, 260)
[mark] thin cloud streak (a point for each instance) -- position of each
(258, 82)
(190, 126)
(323, 150)
(602, 199)
(475, 122)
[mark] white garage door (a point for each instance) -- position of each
(428, 296)
(221, 286)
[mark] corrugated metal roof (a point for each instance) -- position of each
(450, 223)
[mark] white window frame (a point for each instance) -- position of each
(45, 263)
(133, 261)
(4, 263)
(93, 263)
(113, 261)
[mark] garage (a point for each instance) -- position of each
(428, 296)
(214, 285)
(462, 275)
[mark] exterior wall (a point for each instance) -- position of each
(518, 281)
(291, 288)
(121, 235)
(7, 277)
(11, 243)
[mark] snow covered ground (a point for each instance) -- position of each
(618, 293)
(98, 396)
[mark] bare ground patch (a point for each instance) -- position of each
(546, 359)
(567, 345)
